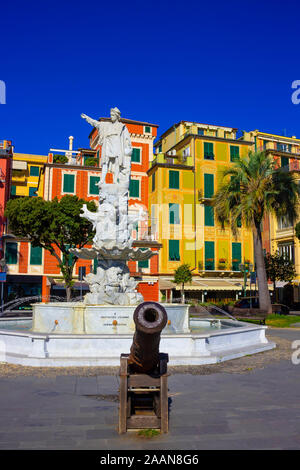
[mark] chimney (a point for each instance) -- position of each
(71, 138)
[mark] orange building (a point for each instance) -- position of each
(34, 271)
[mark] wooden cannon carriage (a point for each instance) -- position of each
(143, 374)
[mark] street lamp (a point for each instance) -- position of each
(245, 268)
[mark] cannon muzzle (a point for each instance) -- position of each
(150, 318)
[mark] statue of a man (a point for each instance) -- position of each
(116, 145)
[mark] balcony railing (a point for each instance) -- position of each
(169, 159)
(146, 231)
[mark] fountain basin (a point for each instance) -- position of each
(78, 318)
(207, 342)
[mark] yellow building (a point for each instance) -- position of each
(25, 175)
(279, 234)
(183, 177)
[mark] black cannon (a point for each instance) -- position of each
(143, 373)
(150, 318)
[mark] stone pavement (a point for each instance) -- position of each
(255, 410)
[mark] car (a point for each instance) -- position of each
(252, 303)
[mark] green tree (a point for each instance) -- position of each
(251, 189)
(279, 268)
(183, 275)
(51, 224)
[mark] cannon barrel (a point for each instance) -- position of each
(150, 318)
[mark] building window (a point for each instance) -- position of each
(208, 185)
(13, 190)
(36, 255)
(34, 171)
(200, 131)
(160, 148)
(234, 153)
(94, 189)
(134, 188)
(153, 181)
(174, 250)
(32, 191)
(69, 183)
(173, 179)
(147, 129)
(11, 253)
(95, 265)
(288, 251)
(174, 214)
(284, 222)
(209, 253)
(209, 151)
(145, 263)
(209, 216)
(285, 162)
(236, 256)
(136, 155)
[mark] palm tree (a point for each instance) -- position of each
(250, 189)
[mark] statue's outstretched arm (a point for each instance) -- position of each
(91, 121)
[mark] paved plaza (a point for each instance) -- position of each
(258, 408)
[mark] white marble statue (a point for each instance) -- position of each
(113, 223)
(114, 139)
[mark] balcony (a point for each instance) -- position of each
(203, 199)
(172, 160)
(147, 230)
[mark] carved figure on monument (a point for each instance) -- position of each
(116, 146)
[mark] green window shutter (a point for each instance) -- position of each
(239, 221)
(13, 190)
(136, 155)
(144, 263)
(209, 216)
(95, 265)
(284, 161)
(36, 255)
(208, 185)
(174, 214)
(134, 188)
(11, 253)
(93, 181)
(34, 171)
(70, 257)
(209, 150)
(209, 250)
(32, 191)
(236, 256)
(69, 183)
(173, 179)
(234, 153)
(153, 181)
(147, 129)
(174, 250)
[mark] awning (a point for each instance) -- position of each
(165, 284)
(19, 165)
(208, 285)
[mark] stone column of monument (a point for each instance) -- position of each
(112, 243)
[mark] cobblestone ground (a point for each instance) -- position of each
(247, 403)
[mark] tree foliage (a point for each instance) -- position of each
(182, 275)
(51, 224)
(279, 268)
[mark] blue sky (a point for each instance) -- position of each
(223, 62)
